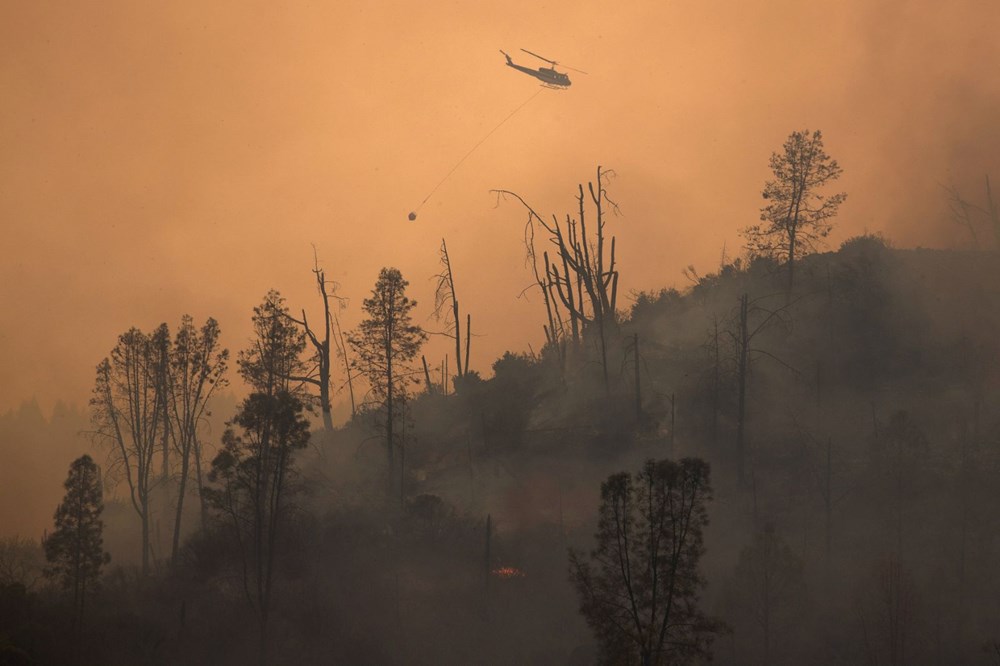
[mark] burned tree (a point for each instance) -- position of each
(445, 299)
(768, 586)
(971, 215)
(742, 333)
(319, 376)
(582, 276)
(887, 610)
(341, 345)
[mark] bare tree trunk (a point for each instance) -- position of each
(791, 261)
(145, 536)
(389, 413)
(427, 375)
(202, 506)
(458, 344)
(468, 338)
(828, 498)
(673, 422)
(716, 387)
(743, 343)
(181, 489)
(638, 387)
(604, 357)
(347, 365)
(446, 292)
(402, 458)
(322, 347)
(488, 562)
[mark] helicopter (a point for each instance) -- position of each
(549, 77)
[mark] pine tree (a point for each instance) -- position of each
(796, 217)
(75, 549)
(384, 343)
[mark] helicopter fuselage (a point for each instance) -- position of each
(547, 75)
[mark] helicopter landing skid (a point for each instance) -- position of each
(552, 87)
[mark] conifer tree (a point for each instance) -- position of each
(384, 343)
(797, 215)
(75, 549)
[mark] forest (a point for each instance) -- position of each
(791, 460)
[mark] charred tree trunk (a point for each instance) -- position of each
(321, 378)
(390, 389)
(427, 375)
(446, 296)
(468, 339)
(488, 563)
(743, 349)
(342, 348)
(716, 387)
(584, 277)
(181, 489)
(638, 387)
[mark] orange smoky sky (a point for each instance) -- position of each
(167, 158)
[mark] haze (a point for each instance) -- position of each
(158, 160)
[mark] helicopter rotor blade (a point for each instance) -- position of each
(553, 62)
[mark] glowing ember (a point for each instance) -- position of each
(507, 572)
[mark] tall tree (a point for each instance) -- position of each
(797, 215)
(253, 473)
(75, 549)
(583, 276)
(128, 408)
(445, 296)
(197, 369)
(319, 374)
(750, 320)
(639, 589)
(768, 585)
(252, 479)
(341, 345)
(887, 609)
(384, 343)
(273, 362)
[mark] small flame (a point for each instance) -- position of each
(507, 572)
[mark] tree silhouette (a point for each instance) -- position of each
(252, 475)
(583, 275)
(75, 549)
(319, 376)
(128, 409)
(639, 590)
(384, 343)
(768, 585)
(445, 296)
(796, 216)
(273, 363)
(197, 369)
